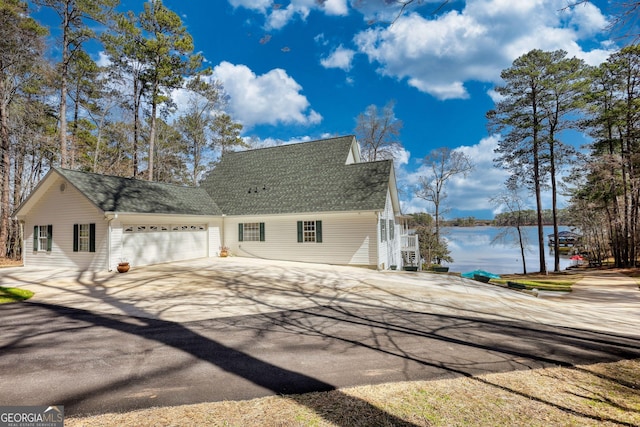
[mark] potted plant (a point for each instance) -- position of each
(224, 251)
(123, 266)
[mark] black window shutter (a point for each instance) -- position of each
(75, 237)
(299, 231)
(92, 237)
(49, 237)
(240, 231)
(319, 231)
(262, 231)
(36, 230)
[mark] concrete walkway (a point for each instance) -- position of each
(606, 287)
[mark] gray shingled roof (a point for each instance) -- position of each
(116, 194)
(298, 178)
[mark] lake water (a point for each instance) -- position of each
(471, 249)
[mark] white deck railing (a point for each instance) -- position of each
(409, 242)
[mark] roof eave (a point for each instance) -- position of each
(36, 194)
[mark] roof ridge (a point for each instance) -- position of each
(370, 162)
(290, 145)
(144, 181)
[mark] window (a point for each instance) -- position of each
(383, 230)
(309, 231)
(84, 237)
(42, 238)
(391, 229)
(251, 232)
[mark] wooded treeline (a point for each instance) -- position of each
(117, 117)
(547, 94)
(528, 217)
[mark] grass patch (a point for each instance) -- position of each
(604, 394)
(14, 295)
(557, 282)
(562, 286)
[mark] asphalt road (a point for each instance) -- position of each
(95, 362)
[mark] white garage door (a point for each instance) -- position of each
(146, 244)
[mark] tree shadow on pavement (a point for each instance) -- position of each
(330, 318)
(278, 380)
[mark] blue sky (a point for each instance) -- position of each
(301, 70)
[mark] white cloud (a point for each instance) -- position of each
(383, 10)
(437, 55)
(470, 193)
(278, 16)
(341, 58)
(336, 7)
(270, 98)
(256, 142)
(257, 5)
(473, 192)
(588, 20)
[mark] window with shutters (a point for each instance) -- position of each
(309, 231)
(42, 238)
(251, 232)
(84, 237)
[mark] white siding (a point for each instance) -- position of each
(215, 237)
(63, 209)
(347, 239)
(389, 247)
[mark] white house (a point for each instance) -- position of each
(311, 202)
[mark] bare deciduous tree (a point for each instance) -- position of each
(443, 164)
(378, 132)
(513, 222)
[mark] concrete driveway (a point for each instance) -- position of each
(223, 287)
(234, 328)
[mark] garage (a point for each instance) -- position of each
(146, 244)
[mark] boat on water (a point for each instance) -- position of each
(567, 240)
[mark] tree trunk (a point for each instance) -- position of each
(15, 249)
(5, 169)
(137, 94)
(63, 91)
(521, 242)
(537, 178)
(554, 204)
(152, 133)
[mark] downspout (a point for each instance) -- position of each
(378, 241)
(109, 240)
(222, 243)
(22, 245)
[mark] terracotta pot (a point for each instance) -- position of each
(123, 267)
(224, 253)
